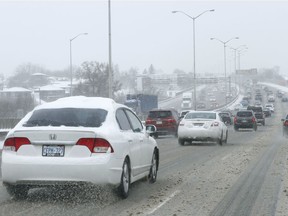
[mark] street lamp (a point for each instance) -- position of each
(243, 46)
(224, 43)
(239, 54)
(194, 66)
(71, 72)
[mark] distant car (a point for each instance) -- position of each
(212, 99)
(271, 98)
(166, 121)
(183, 113)
(245, 119)
(201, 105)
(284, 98)
(202, 126)
(267, 112)
(270, 106)
(258, 112)
(257, 103)
(78, 140)
(214, 105)
(226, 117)
(244, 103)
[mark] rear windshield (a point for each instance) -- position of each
(200, 115)
(73, 117)
(244, 114)
(160, 114)
(224, 114)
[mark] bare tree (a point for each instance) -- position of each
(93, 78)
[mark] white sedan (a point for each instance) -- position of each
(202, 126)
(78, 140)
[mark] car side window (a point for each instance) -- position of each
(122, 120)
(135, 122)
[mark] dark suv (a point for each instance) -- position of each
(245, 119)
(165, 120)
(259, 114)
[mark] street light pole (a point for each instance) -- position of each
(235, 55)
(71, 69)
(194, 48)
(225, 79)
(110, 80)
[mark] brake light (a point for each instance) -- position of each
(96, 145)
(253, 119)
(148, 121)
(171, 121)
(14, 143)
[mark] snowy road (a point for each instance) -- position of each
(246, 176)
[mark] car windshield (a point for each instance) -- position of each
(200, 115)
(244, 114)
(159, 114)
(73, 117)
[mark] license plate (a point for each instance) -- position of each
(53, 150)
(158, 122)
(244, 120)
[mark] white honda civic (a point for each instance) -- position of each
(202, 126)
(78, 140)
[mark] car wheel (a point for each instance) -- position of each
(226, 138)
(181, 142)
(18, 192)
(154, 168)
(125, 180)
(176, 134)
(255, 128)
(220, 140)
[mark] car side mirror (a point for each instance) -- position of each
(151, 129)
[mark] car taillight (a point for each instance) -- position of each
(14, 143)
(96, 145)
(286, 123)
(253, 119)
(148, 121)
(171, 121)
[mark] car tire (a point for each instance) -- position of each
(18, 192)
(226, 138)
(255, 128)
(154, 168)
(181, 142)
(220, 140)
(125, 180)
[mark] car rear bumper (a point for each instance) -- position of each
(247, 125)
(199, 134)
(39, 170)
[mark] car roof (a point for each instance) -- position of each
(81, 102)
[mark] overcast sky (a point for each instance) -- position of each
(143, 33)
